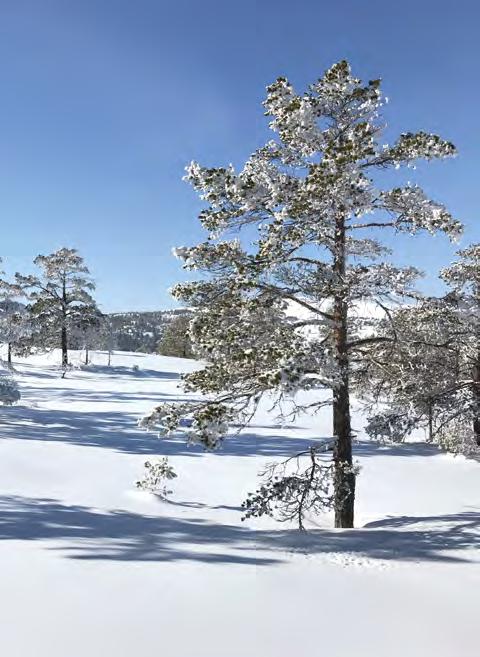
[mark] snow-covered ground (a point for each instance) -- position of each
(92, 567)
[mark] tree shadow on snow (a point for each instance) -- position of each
(124, 536)
(118, 431)
(84, 533)
(96, 396)
(107, 371)
(367, 448)
(444, 538)
(46, 373)
(105, 429)
(125, 372)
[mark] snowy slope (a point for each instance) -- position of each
(91, 567)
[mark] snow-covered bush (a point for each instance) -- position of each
(156, 475)
(389, 426)
(458, 438)
(9, 392)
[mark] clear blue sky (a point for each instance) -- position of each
(103, 102)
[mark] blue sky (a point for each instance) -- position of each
(103, 102)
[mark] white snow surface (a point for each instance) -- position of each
(92, 567)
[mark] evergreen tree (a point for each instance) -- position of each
(90, 331)
(14, 326)
(176, 338)
(463, 276)
(311, 195)
(413, 376)
(432, 376)
(59, 298)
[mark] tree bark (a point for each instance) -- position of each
(430, 421)
(86, 355)
(64, 337)
(64, 347)
(476, 400)
(9, 355)
(476, 381)
(344, 477)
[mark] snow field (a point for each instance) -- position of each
(91, 567)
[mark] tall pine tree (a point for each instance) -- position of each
(312, 199)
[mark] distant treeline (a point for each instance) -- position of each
(140, 331)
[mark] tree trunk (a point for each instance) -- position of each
(86, 355)
(9, 355)
(64, 347)
(430, 421)
(476, 401)
(64, 336)
(476, 381)
(110, 344)
(344, 477)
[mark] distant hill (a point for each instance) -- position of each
(140, 331)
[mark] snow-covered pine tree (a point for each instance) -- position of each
(59, 298)
(431, 377)
(107, 340)
(14, 325)
(11, 319)
(406, 382)
(463, 277)
(312, 197)
(89, 331)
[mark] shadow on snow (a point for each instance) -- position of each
(118, 431)
(119, 535)
(107, 372)
(125, 372)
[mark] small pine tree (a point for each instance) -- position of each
(14, 326)
(14, 319)
(59, 298)
(89, 331)
(156, 475)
